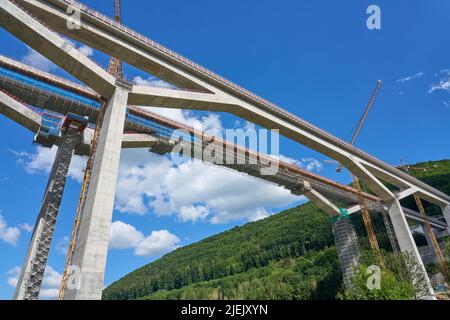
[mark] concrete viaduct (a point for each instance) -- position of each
(40, 24)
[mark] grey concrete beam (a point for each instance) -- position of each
(181, 99)
(370, 180)
(426, 192)
(319, 200)
(55, 48)
(417, 217)
(19, 113)
(405, 193)
(406, 242)
(102, 37)
(446, 212)
(354, 209)
(136, 52)
(409, 214)
(131, 141)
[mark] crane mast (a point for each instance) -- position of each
(115, 65)
(432, 237)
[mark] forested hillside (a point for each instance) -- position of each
(289, 255)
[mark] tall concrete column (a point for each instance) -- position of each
(446, 213)
(94, 231)
(346, 242)
(407, 244)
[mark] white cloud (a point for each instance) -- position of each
(446, 104)
(311, 164)
(413, 77)
(38, 61)
(157, 243)
(50, 294)
(62, 245)
(14, 276)
(125, 236)
(50, 283)
(443, 84)
(87, 51)
(26, 227)
(52, 279)
(151, 182)
(193, 213)
(8, 234)
(42, 161)
(153, 82)
(249, 126)
(251, 215)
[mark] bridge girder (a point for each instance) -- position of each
(148, 56)
(217, 95)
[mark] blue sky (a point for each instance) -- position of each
(316, 59)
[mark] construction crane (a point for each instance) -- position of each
(115, 69)
(357, 185)
(364, 117)
(115, 65)
(432, 237)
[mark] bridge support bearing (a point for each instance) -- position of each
(94, 232)
(347, 247)
(406, 244)
(32, 272)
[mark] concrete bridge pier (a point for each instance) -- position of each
(92, 241)
(446, 212)
(406, 244)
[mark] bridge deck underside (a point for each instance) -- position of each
(81, 102)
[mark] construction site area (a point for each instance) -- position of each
(104, 112)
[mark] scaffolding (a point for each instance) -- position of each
(32, 272)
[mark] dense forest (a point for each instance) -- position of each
(289, 255)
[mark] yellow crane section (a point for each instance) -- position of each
(432, 237)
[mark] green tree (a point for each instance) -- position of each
(402, 278)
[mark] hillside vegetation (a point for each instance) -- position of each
(289, 255)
